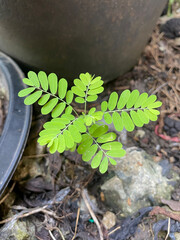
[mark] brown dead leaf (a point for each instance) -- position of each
(174, 205)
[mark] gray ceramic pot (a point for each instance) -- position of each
(103, 37)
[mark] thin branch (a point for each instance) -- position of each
(92, 213)
(10, 190)
(77, 220)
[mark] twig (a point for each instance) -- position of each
(10, 190)
(92, 213)
(169, 226)
(114, 230)
(56, 228)
(77, 219)
(36, 156)
(50, 233)
(159, 210)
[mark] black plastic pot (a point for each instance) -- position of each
(17, 123)
(103, 37)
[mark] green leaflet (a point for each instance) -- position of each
(155, 104)
(154, 111)
(127, 122)
(78, 91)
(132, 99)
(112, 101)
(50, 125)
(33, 78)
(89, 153)
(104, 165)
(26, 91)
(69, 141)
(100, 131)
(92, 98)
(93, 128)
(33, 97)
(68, 110)
(92, 110)
(79, 123)
(69, 97)
(123, 99)
(84, 145)
(62, 88)
(48, 107)
(135, 117)
(52, 78)
(43, 80)
(61, 144)
(54, 146)
(43, 100)
(95, 80)
(111, 146)
(78, 83)
(97, 115)
(28, 82)
(150, 115)
(117, 121)
(96, 84)
(88, 120)
(75, 134)
(79, 100)
(112, 161)
(58, 110)
(141, 99)
(96, 91)
(151, 99)
(85, 78)
(117, 153)
(104, 105)
(107, 118)
(108, 137)
(143, 117)
(96, 160)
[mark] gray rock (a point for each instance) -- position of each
(19, 230)
(137, 182)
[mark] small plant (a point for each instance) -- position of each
(86, 132)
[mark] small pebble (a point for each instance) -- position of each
(109, 220)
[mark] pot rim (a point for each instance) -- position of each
(17, 123)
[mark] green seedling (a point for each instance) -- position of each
(87, 132)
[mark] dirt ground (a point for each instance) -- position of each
(157, 72)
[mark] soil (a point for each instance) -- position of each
(3, 109)
(157, 72)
